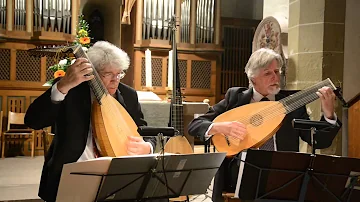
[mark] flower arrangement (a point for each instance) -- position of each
(82, 38)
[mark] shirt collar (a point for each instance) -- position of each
(257, 96)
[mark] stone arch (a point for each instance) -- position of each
(96, 25)
(103, 18)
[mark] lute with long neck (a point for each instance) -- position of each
(263, 119)
(95, 84)
(177, 108)
(179, 143)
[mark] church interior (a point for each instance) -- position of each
(205, 43)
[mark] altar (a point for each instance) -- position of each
(157, 114)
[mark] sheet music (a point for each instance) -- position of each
(241, 168)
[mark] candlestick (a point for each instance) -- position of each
(170, 71)
(148, 73)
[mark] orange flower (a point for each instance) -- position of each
(59, 73)
(84, 40)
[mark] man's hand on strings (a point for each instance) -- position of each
(232, 129)
(75, 75)
(137, 146)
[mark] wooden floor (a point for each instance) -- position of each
(20, 176)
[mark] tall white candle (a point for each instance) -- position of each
(148, 74)
(170, 71)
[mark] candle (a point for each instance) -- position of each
(170, 71)
(148, 74)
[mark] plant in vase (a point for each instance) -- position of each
(82, 38)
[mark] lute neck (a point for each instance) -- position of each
(305, 96)
(176, 101)
(96, 83)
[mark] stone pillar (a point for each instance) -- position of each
(279, 9)
(316, 49)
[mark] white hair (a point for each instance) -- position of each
(104, 53)
(260, 59)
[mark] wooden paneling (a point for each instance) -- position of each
(236, 35)
(22, 72)
(21, 83)
(197, 74)
(32, 98)
(200, 74)
(354, 130)
(27, 68)
(18, 101)
(22, 76)
(16, 104)
(5, 64)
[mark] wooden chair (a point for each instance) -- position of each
(229, 197)
(47, 138)
(18, 119)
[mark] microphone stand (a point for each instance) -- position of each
(313, 141)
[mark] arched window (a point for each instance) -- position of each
(96, 25)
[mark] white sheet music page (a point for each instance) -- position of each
(241, 169)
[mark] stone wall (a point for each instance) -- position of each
(316, 49)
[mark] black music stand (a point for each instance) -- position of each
(134, 179)
(267, 176)
(314, 127)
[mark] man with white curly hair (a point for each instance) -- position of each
(263, 71)
(67, 106)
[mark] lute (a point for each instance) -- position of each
(177, 144)
(263, 119)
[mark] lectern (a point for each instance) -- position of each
(138, 178)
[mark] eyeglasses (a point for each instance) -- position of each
(114, 76)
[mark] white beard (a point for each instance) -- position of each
(274, 90)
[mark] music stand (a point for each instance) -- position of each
(313, 126)
(267, 176)
(142, 178)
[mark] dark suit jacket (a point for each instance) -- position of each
(287, 138)
(71, 119)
